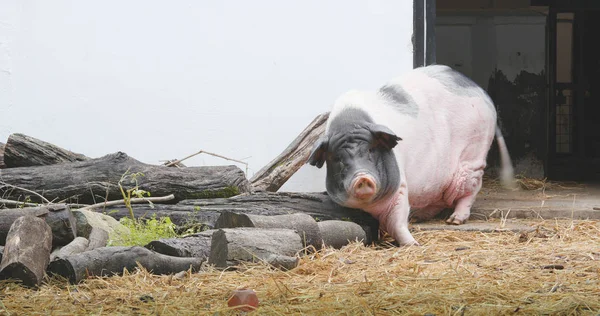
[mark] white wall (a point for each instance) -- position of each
(163, 79)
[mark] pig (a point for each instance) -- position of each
(419, 142)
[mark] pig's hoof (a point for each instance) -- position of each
(455, 221)
(409, 243)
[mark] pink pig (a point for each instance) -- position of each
(420, 142)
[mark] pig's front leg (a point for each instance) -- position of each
(395, 221)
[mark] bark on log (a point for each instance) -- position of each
(276, 246)
(272, 176)
(207, 211)
(197, 245)
(2, 164)
(98, 238)
(58, 216)
(107, 261)
(27, 251)
(302, 223)
(337, 234)
(78, 245)
(97, 179)
(26, 151)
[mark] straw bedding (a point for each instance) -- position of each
(554, 270)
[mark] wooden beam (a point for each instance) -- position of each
(430, 17)
(418, 33)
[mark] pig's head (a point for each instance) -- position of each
(361, 165)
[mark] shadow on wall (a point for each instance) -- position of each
(521, 106)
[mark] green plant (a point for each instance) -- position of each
(144, 231)
(25, 201)
(135, 191)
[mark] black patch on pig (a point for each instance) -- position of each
(457, 83)
(348, 119)
(403, 102)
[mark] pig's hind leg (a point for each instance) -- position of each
(464, 194)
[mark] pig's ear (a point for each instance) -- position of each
(383, 136)
(317, 156)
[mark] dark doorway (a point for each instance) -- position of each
(574, 62)
(591, 77)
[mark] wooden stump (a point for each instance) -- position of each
(27, 251)
(107, 261)
(58, 216)
(26, 151)
(274, 175)
(275, 246)
(302, 223)
(337, 234)
(97, 179)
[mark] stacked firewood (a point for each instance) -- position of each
(45, 190)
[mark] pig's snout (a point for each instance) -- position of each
(363, 187)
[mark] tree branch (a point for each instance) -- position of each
(134, 200)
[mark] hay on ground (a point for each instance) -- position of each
(553, 270)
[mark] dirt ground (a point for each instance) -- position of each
(549, 267)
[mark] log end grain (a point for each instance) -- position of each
(219, 251)
(62, 267)
(20, 272)
(231, 220)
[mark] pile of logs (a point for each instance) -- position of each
(43, 185)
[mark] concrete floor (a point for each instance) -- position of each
(554, 200)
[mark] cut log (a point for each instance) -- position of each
(78, 245)
(27, 251)
(97, 179)
(63, 224)
(98, 238)
(276, 246)
(26, 151)
(337, 234)
(2, 164)
(318, 205)
(107, 261)
(58, 216)
(274, 175)
(302, 223)
(197, 245)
